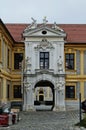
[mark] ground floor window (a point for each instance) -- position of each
(70, 92)
(17, 91)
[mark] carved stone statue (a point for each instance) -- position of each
(57, 27)
(28, 64)
(28, 60)
(45, 21)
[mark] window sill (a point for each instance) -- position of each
(67, 99)
(17, 99)
(16, 70)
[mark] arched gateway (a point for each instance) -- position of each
(44, 73)
(46, 91)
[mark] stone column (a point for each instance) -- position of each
(25, 99)
(59, 97)
(28, 98)
(56, 106)
(61, 100)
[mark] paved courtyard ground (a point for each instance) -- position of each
(45, 120)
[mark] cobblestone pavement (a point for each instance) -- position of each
(46, 120)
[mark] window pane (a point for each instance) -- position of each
(70, 91)
(41, 55)
(67, 56)
(46, 55)
(72, 64)
(41, 63)
(69, 61)
(46, 63)
(17, 91)
(44, 60)
(71, 56)
(18, 57)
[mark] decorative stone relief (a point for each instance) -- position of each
(44, 44)
(60, 85)
(27, 87)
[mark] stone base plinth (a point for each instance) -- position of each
(59, 108)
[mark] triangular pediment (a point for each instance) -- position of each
(44, 31)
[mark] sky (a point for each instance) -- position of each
(59, 11)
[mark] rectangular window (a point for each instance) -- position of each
(18, 57)
(69, 61)
(17, 91)
(44, 60)
(70, 92)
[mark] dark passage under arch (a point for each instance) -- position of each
(41, 100)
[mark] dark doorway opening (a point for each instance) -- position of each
(41, 98)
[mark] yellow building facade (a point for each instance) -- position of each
(77, 76)
(12, 52)
(10, 78)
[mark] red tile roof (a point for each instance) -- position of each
(75, 32)
(16, 31)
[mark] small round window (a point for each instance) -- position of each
(44, 32)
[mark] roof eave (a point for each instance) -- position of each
(7, 30)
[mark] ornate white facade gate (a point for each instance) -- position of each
(42, 40)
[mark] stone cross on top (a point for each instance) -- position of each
(34, 21)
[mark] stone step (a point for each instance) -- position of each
(43, 107)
